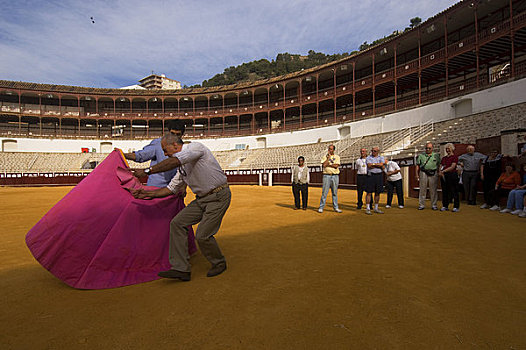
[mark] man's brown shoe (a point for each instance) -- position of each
(216, 270)
(183, 276)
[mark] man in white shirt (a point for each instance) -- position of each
(360, 166)
(198, 169)
(300, 179)
(394, 181)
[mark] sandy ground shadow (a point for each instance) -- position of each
(407, 279)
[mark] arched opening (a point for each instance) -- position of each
(105, 128)
(155, 105)
(308, 86)
(88, 127)
(186, 105)
(260, 98)
(122, 105)
(139, 106)
(276, 121)
(88, 106)
(245, 124)
(9, 124)
(155, 128)
(106, 147)
(69, 127)
(30, 104)
(231, 125)
(364, 103)
(245, 99)
(216, 126)
(262, 122)
(326, 112)
(230, 101)
(344, 108)
(9, 146)
(69, 106)
(216, 102)
(343, 74)
(326, 81)
(292, 91)
(50, 126)
(122, 129)
(170, 106)
(106, 107)
(9, 101)
(309, 115)
(292, 118)
(200, 127)
(201, 104)
(276, 94)
(139, 128)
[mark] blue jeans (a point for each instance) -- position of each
(330, 181)
(515, 199)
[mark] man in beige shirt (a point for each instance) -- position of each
(331, 178)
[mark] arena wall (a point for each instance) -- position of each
(481, 101)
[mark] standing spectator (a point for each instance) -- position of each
(449, 179)
(300, 183)
(154, 153)
(361, 176)
(472, 168)
(375, 180)
(523, 214)
(427, 165)
(516, 196)
(492, 170)
(394, 181)
(331, 178)
(507, 181)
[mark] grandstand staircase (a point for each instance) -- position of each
(401, 140)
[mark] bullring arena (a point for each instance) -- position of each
(296, 279)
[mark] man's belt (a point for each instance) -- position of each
(215, 190)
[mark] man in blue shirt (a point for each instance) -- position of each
(154, 152)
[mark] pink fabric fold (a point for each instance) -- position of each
(98, 236)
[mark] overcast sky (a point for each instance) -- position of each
(56, 42)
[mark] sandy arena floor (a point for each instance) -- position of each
(296, 280)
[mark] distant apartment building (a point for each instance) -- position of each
(160, 82)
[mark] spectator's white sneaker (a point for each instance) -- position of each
(516, 212)
(495, 207)
(368, 212)
(444, 209)
(320, 210)
(434, 208)
(455, 210)
(378, 211)
(506, 210)
(421, 208)
(523, 214)
(387, 207)
(338, 210)
(401, 206)
(484, 206)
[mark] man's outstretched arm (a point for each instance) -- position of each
(165, 165)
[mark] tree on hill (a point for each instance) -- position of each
(286, 63)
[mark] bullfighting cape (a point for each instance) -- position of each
(98, 236)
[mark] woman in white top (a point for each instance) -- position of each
(394, 181)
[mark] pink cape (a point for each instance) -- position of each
(98, 236)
